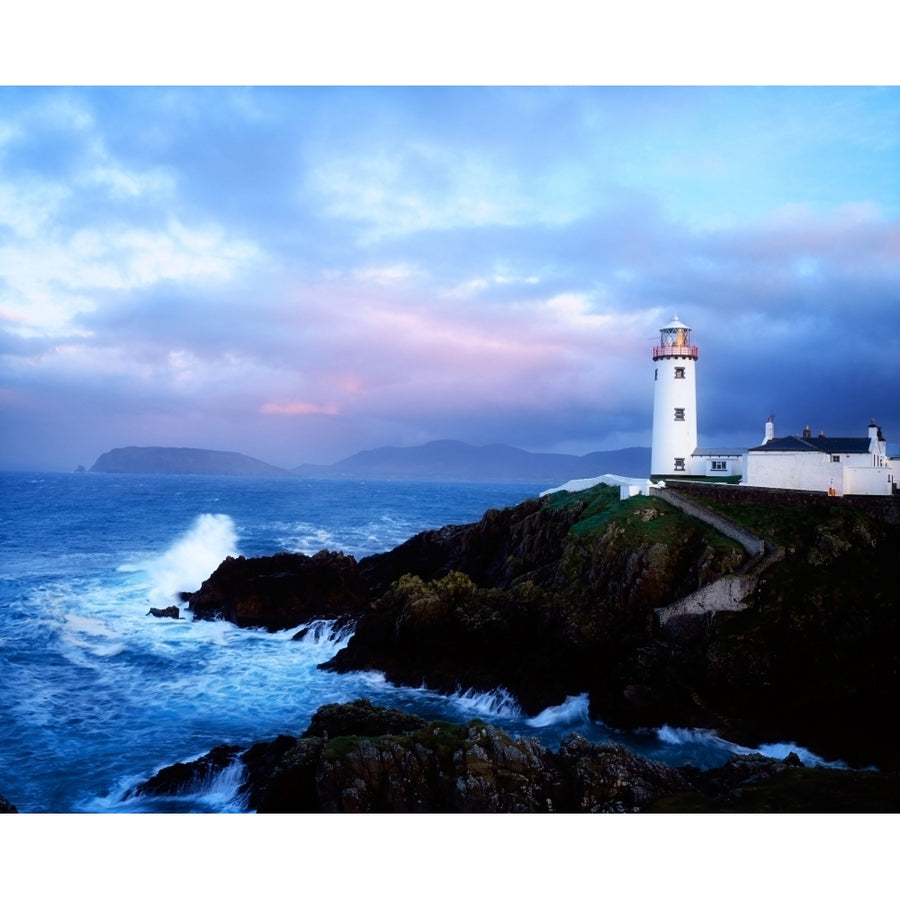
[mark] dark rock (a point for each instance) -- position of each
(475, 767)
(495, 551)
(186, 778)
(436, 768)
(280, 591)
(545, 599)
(360, 717)
(6, 806)
(557, 597)
(609, 778)
(754, 783)
(170, 612)
(260, 763)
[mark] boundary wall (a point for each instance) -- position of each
(887, 509)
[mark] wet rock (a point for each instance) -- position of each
(476, 767)
(609, 778)
(186, 778)
(360, 717)
(170, 612)
(280, 591)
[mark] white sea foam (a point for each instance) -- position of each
(669, 735)
(216, 792)
(191, 559)
(807, 757)
(498, 703)
(574, 709)
(325, 634)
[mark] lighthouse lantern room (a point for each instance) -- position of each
(674, 401)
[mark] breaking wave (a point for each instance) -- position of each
(698, 736)
(573, 711)
(191, 559)
(496, 704)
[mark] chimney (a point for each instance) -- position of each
(875, 437)
(806, 432)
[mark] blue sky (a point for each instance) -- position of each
(302, 273)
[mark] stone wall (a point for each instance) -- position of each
(728, 593)
(887, 509)
(752, 543)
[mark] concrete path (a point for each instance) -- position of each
(731, 591)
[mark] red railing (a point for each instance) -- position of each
(689, 352)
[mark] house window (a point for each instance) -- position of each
(679, 371)
(679, 463)
(679, 414)
(719, 465)
(836, 457)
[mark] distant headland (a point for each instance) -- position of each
(181, 461)
(434, 461)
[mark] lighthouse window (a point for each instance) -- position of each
(679, 463)
(679, 372)
(679, 414)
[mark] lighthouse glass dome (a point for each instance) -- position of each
(675, 340)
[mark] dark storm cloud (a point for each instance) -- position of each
(303, 273)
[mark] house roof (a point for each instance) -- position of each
(719, 451)
(795, 444)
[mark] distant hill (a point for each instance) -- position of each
(435, 461)
(181, 461)
(458, 461)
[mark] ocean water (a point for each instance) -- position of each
(96, 695)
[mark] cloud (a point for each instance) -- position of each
(400, 265)
(298, 408)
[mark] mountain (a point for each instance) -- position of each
(435, 461)
(458, 461)
(181, 461)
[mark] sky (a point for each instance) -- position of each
(301, 273)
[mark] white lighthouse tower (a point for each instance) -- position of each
(674, 401)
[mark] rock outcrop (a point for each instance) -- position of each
(281, 591)
(559, 596)
(168, 612)
(360, 758)
(547, 599)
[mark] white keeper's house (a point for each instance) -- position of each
(835, 465)
(838, 465)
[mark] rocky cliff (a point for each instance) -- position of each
(558, 597)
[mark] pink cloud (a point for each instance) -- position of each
(298, 408)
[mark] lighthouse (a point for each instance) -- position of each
(674, 401)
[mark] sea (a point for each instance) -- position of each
(96, 695)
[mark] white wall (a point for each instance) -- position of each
(805, 471)
(673, 438)
(702, 465)
(868, 480)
